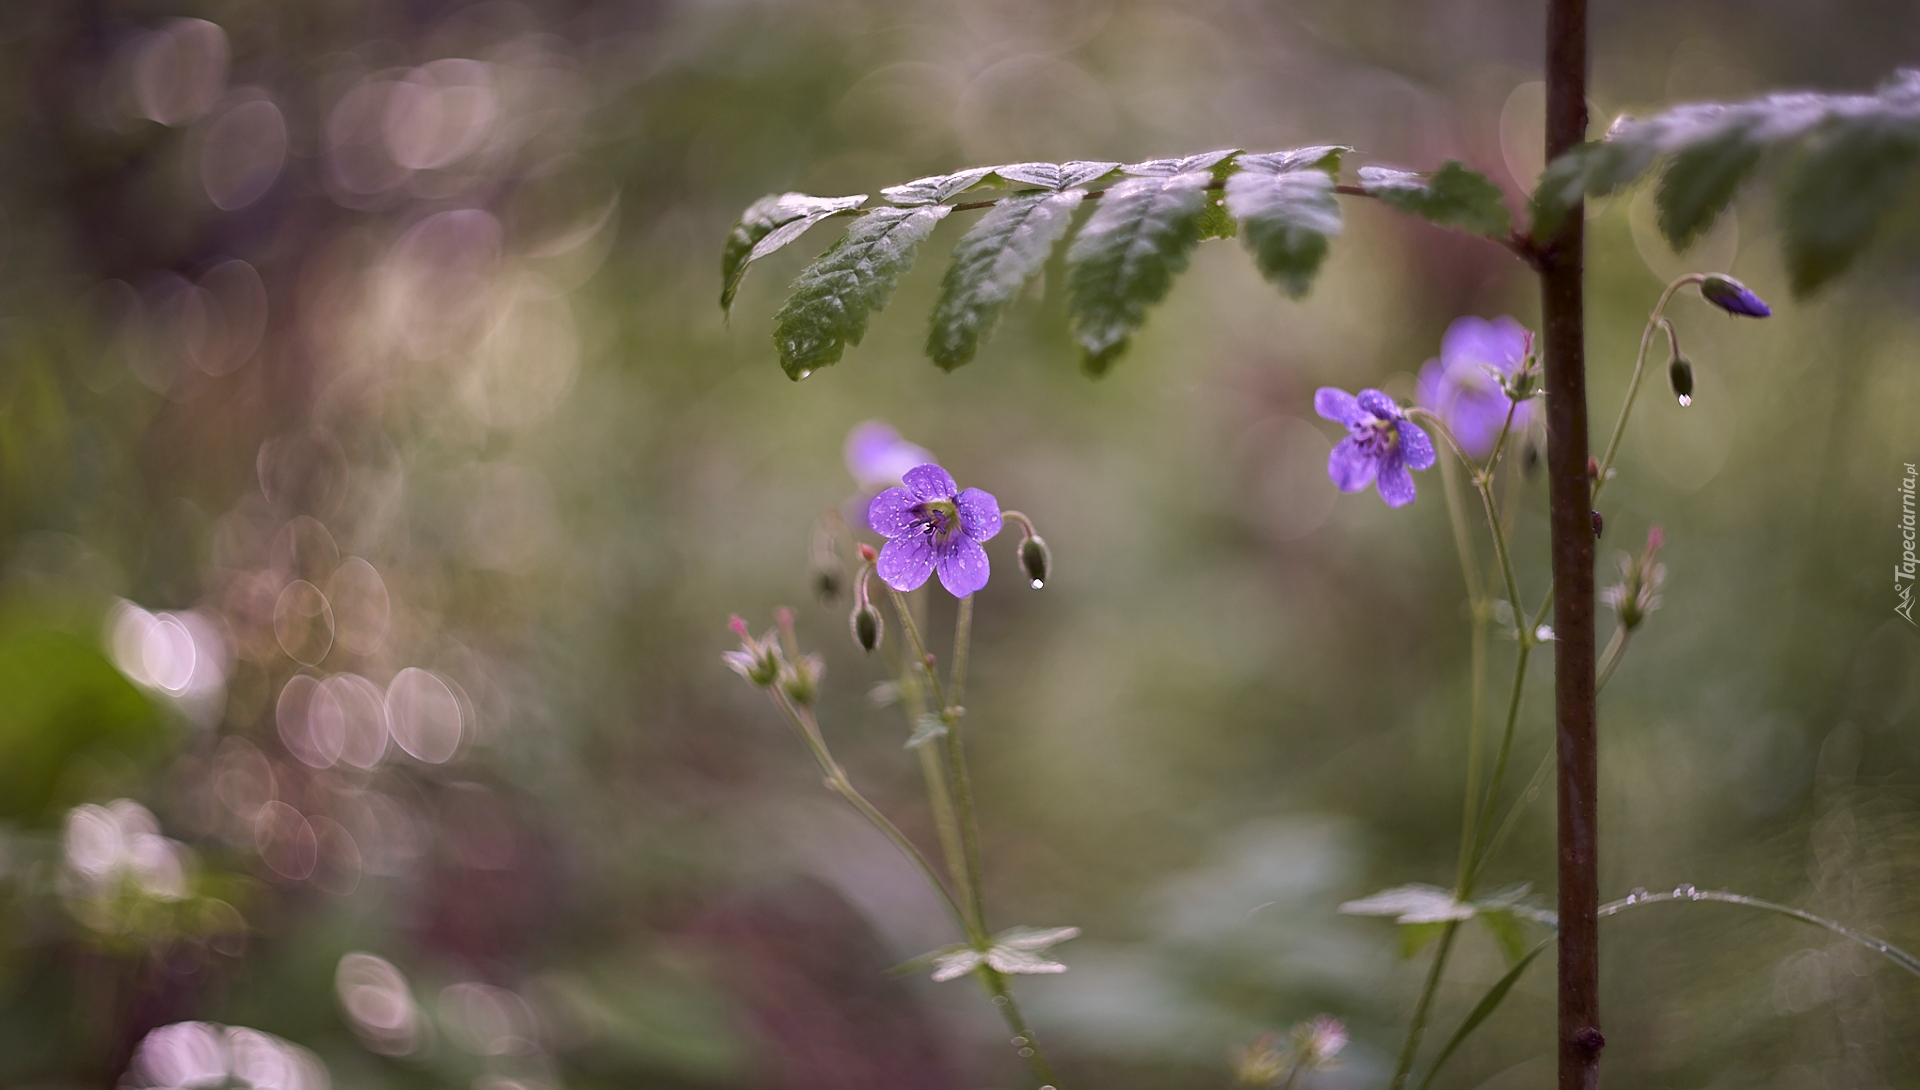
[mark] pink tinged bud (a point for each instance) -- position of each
(867, 554)
(783, 617)
(1655, 538)
(739, 628)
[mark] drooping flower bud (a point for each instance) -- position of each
(1036, 560)
(1733, 297)
(1680, 377)
(867, 627)
(865, 620)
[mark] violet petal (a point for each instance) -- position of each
(979, 514)
(930, 482)
(1416, 449)
(1350, 467)
(891, 512)
(963, 566)
(905, 562)
(1336, 404)
(1378, 404)
(1394, 482)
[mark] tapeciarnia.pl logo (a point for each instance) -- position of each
(1905, 570)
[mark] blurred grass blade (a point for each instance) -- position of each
(990, 265)
(834, 296)
(1482, 1010)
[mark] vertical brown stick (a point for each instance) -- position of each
(1563, 319)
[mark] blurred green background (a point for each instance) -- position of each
(377, 475)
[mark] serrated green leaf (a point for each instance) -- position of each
(834, 297)
(990, 265)
(1216, 221)
(1211, 161)
(768, 224)
(1861, 157)
(1452, 196)
(1324, 158)
(1482, 1011)
(1285, 222)
(1126, 256)
(1700, 181)
(1055, 176)
(925, 729)
(1852, 173)
(935, 189)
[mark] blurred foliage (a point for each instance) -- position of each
(375, 345)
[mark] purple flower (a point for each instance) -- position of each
(1381, 444)
(877, 456)
(1733, 297)
(1465, 386)
(930, 524)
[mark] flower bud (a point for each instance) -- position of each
(802, 679)
(1733, 297)
(1599, 525)
(1035, 560)
(1680, 377)
(826, 584)
(867, 627)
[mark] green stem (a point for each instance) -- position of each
(1639, 367)
(996, 984)
(1610, 658)
(1418, 1027)
(957, 767)
(1687, 893)
(809, 730)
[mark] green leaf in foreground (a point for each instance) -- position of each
(1452, 196)
(1861, 152)
(1126, 256)
(833, 297)
(1700, 182)
(1285, 222)
(768, 224)
(990, 265)
(1840, 192)
(935, 189)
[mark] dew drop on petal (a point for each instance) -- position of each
(1686, 400)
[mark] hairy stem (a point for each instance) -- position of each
(996, 984)
(804, 724)
(1654, 321)
(957, 767)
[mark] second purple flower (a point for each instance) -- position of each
(932, 525)
(1380, 447)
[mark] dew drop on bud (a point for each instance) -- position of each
(1035, 560)
(1680, 377)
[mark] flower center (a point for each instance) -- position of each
(1375, 435)
(940, 518)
